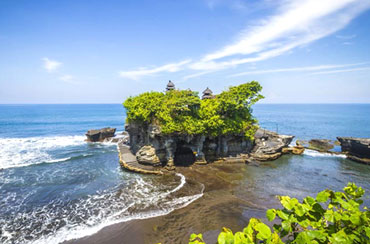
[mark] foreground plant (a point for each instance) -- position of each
(331, 217)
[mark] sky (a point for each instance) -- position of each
(74, 51)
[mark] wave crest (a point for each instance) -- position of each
(19, 152)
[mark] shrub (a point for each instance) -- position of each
(331, 217)
(182, 111)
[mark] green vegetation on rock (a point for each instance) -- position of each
(182, 111)
(331, 217)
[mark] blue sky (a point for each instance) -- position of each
(72, 51)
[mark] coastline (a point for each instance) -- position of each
(206, 215)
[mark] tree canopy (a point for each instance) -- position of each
(183, 112)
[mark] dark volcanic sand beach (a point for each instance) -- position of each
(233, 194)
(218, 207)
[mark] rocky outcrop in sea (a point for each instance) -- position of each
(150, 150)
(356, 149)
(100, 135)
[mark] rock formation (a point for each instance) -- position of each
(269, 145)
(152, 147)
(297, 150)
(321, 145)
(100, 134)
(147, 155)
(357, 149)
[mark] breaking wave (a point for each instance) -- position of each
(313, 153)
(19, 152)
(63, 220)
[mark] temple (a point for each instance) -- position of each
(170, 86)
(207, 94)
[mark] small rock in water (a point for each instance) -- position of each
(321, 145)
(100, 135)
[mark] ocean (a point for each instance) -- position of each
(55, 187)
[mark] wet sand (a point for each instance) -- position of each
(219, 206)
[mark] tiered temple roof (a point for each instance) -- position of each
(170, 86)
(207, 94)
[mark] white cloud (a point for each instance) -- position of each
(341, 71)
(51, 65)
(136, 74)
(297, 69)
(296, 23)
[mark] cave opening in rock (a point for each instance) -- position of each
(184, 156)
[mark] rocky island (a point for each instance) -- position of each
(177, 128)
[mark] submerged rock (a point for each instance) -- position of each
(321, 145)
(100, 135)
(357, 149)
(302, 143)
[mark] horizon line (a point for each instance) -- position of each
(287, 103)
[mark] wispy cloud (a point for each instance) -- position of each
(341, 71)
(345, 37)
(136, 74)
(295, 23)
(51, 65)
(297, 69)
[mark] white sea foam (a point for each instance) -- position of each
(313, 153)
(66, 234)
(58, 160)
(87, 216)
(18, 152)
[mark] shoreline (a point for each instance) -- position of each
(220, 179)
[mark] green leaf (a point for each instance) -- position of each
(315, 234)
(239, 238)
(225, 237)
(299, 210)
(322, 196)
(271, 214)
(329, 215)
(309, 200)
(340, 238)
(302, 238)
(275, 239)
(286, 225)
(282, 214)
(264, 231)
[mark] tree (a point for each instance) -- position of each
(182, 111)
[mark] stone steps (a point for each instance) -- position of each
(129, 162)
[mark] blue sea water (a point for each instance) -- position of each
(309, 121)
(54, 186)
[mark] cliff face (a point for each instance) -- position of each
(185, 149)
(152, 147)
(357, 149)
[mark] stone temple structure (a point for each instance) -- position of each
(170, 86)
(207, 94)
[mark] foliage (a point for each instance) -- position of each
(331, 217)
(182, 111)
